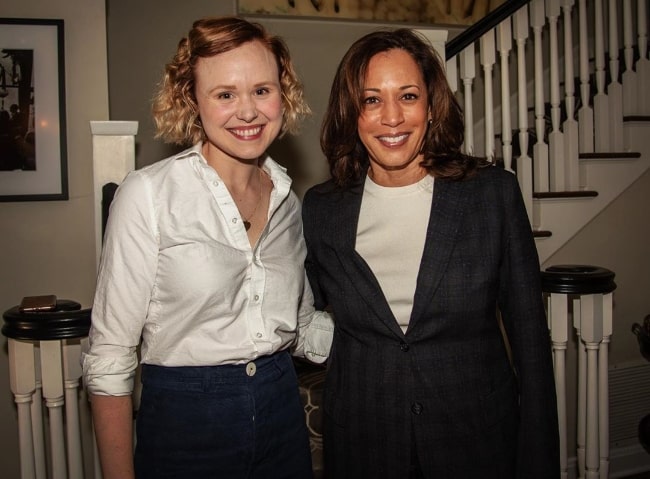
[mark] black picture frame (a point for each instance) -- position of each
(33, 150)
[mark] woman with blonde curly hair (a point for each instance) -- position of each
(203, 260)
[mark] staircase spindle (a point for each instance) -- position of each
(540, 149)
(629, 75)
(467, 75)
(557, 177)
(614, 89)
(643, 63)
(504, 45)
(586, 113)
(570, 125)
(524, 162)
(601, 104)
(487, 54)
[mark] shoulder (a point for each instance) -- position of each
(328, 192)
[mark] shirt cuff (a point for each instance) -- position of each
(318, 337)
(109, 376)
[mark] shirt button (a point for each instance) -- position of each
(256, 297)
(215, 183)
(416, 408)
(234, 220)
(259, 335)
(251, 369)
(404, 347)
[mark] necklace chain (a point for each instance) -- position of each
(247, 223)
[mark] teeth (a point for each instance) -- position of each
(247, 132)
(392, 139)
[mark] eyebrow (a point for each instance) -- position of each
(405, 87)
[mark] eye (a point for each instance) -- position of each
(370, 100)
(224, 95)
(262, 91)
(410, 96)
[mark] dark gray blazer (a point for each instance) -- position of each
(447, 385)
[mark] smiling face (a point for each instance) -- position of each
(393, 120)
(240, 102)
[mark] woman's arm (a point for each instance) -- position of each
(113, 422)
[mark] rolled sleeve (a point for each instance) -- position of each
(109, 376)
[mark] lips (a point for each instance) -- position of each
(250, 133)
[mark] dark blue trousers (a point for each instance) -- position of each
(221, 422)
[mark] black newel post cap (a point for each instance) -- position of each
(68, 320)
(577, 279)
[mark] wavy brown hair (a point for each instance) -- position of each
(175, 109)
(340, 142)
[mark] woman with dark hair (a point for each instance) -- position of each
(203, 260)
(441, 362)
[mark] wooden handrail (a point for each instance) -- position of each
(473, 33)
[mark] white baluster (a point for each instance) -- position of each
(504, 45)
(467, 75)
(570, 125)
(629, 75)
(52, 370)
(614, 89)
(591, 332)
(601, 104)
(643, 63)
(487, 55)
(586, 113)
(451, 71)
(558, 319)
(40, 457)
(603, 383)
(524, 162)
(557, 177)
(72, 375)
(540, 149)
(581, 420)
(22, 381)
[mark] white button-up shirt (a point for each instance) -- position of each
(178, 272)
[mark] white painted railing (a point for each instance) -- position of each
(582, 38)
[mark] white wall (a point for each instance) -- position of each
(48, 247)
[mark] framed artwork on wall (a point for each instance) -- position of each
(33, 155)
(432, 12)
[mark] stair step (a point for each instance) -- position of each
(542, 234)
(544, 195)
(623, 155)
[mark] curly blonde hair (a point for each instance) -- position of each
(175, 109)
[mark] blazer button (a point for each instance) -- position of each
(416, 408)
(404, 347)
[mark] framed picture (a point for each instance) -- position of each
(436, 12)
(33, 157)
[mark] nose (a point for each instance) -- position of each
(392, 114)
(247, 110)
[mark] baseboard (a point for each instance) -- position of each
(623, 462)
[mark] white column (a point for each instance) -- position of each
(601, 104)
(614, 89)
(540, 149)
(629, 75)
(467, 75)
(52, 371)
(22, 381)
(488, 58)
(591, 334)
(557, 175)
(586, 113)
(559, 324)
(504, 45)
(113, 158)
(570, 125)
(72, 375)
(643, 63)
(603, 382)
(524, 162)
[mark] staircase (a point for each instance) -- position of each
(550, 95)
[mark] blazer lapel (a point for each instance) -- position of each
(448, 208)
(354, 265)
